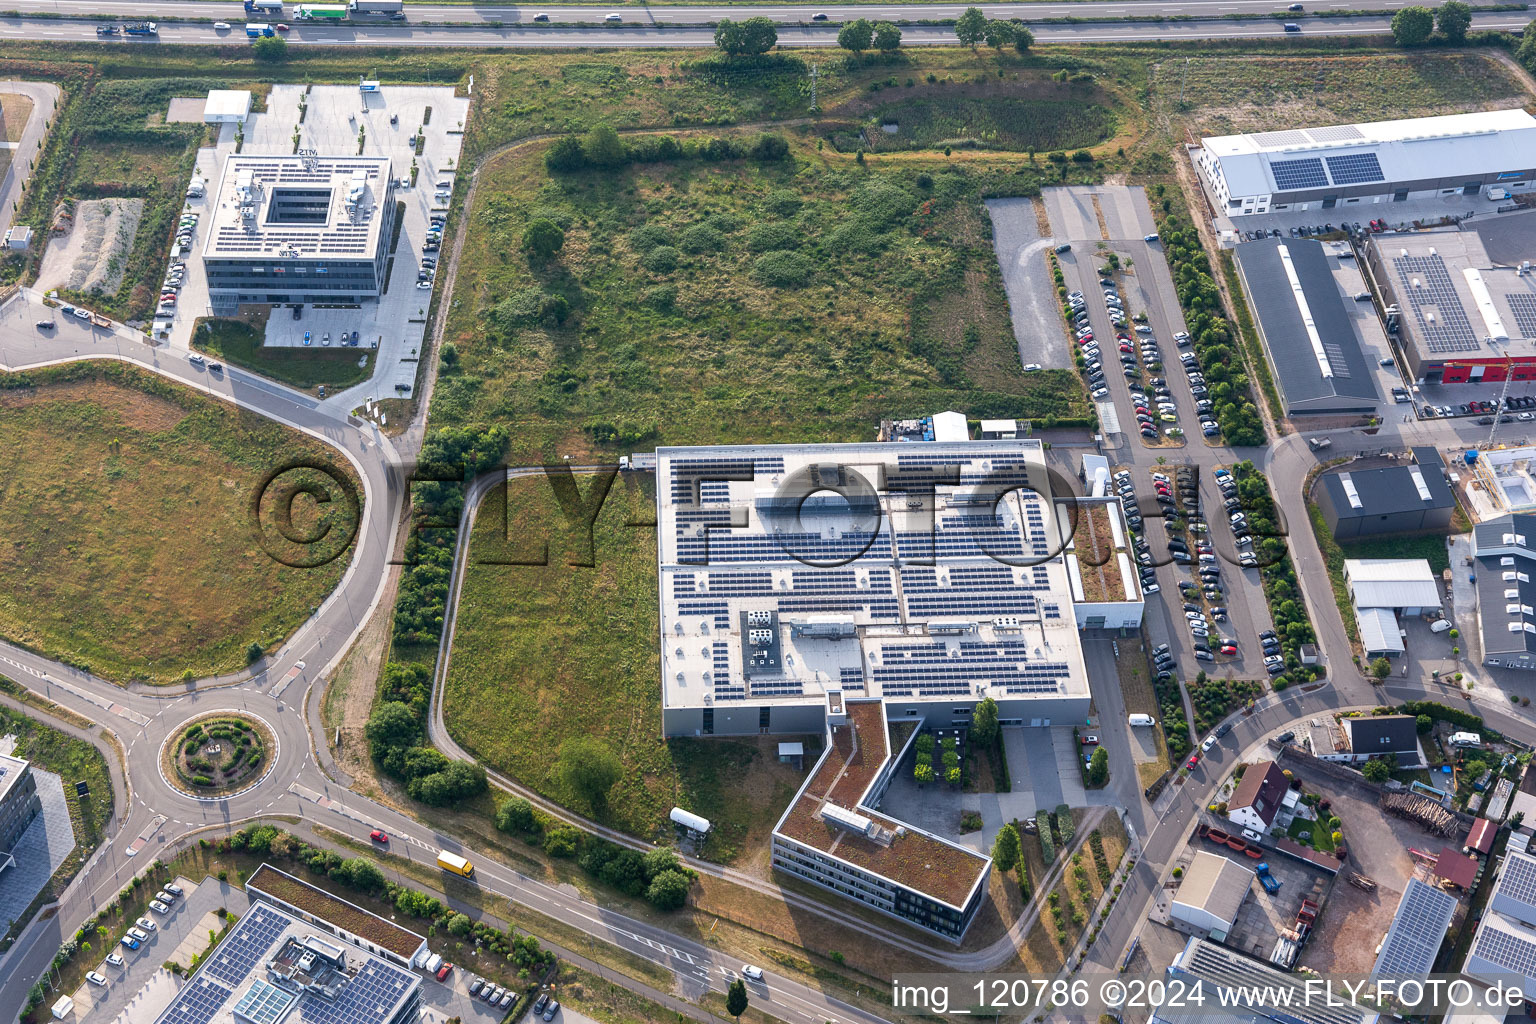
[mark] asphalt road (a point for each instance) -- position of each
(630, 35)
(688, 14)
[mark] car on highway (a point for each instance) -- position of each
(614, 19)
(221, 26)
(541, 16)
(106, 30)
(818, 16)
(378, 835)
(755, 973)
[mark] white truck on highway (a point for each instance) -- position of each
(378, 8)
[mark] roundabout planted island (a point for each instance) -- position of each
(219, 755)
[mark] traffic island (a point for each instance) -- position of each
(218, 755)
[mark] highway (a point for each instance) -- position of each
(428, 14)
(659, 34)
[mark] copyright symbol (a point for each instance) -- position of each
(1113, 993)
(305, 513)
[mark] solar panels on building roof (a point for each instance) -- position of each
(1294, 174)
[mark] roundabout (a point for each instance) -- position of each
(217, 755)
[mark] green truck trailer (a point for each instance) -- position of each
(320, 13)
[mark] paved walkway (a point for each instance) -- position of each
(45, 98)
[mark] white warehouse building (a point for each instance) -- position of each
(1366, 164)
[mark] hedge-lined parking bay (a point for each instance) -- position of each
(547, 655)
(130, 546)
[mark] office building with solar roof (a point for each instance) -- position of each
(293, 229)
(1357, 167)
(928, 576)
(1461, 302)
(275, 967)
(1505, 942)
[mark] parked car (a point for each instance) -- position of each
(159, 907)
(95, 979)
(115, 959)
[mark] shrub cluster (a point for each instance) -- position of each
(656, 874)
(602, 147)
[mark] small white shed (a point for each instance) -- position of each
(227, 106)
(951, 426)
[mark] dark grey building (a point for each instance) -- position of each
(1308, 335)
(1379, 735)
(19, 802)
(1505, 552)
(290, 229)
(1407, 498)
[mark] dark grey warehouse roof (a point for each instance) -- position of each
(1301, 379)
(1508, 239)
(1493, 600)
(1391, 489)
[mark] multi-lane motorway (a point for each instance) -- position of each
(654, 27)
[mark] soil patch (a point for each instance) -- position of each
(92, 256)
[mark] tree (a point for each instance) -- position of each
(856, 35)
(590, 768)
(971, 27)
(270, 49)
(1381, 668)
(923, 773)
(998, 33)
(1526, 54)
(887, 37)
(755, 35)
(1412, 26)
(1098, 767)
(1023, 39)
(758, 35)
(602, 147)
(565, 154)
(392, 724)
(984, 722)
(542, 239)
(736, 999)
(459, 924)
(1453, 18)
(1376, 771)
(1423, 724)
(253, 652)
(516, 815)
(668, 890)
(1005, 848)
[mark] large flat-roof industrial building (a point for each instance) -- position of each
(1461, 302)
(1505, 552)
(297, 229)
(1359, 166)
(276, 965)
(929, 576)
(866, 591)
(1310, 343)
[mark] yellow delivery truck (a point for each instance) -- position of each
(453, 862)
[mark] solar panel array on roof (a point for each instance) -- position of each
(1435, 297)
(197, 1003)
(1286, 138)
(1503, 949)
(1523, 306)
(1355, 168)
(1335, 133)
(1294, 174)
(366, 999)
(1518, 881)
(1418, 929)
(252, 936)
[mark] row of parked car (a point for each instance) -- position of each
(135, 938)
(176, 274)
(494, 994)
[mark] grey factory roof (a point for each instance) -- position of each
(1506, 580)
(1391, 489)
(1311, 342)
(1382, 734)
(1412, 943)
(1226, 969)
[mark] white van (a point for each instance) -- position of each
(1142, 720)
(1439, 626)
(1466, 739)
